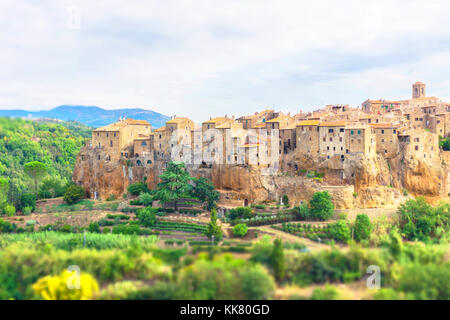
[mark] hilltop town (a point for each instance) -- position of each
(372, 156)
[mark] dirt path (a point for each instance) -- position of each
(312, 245)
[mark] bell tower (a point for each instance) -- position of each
(418, 90)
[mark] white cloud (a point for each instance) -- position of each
(212, 57)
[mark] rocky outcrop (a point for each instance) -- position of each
(356, 182)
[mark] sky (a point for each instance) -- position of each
(207, 58)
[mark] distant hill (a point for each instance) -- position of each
(90, 115)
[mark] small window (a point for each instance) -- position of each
(144, 144)
(359, 131)
(382, 131)
(341, 130)
(352, 132)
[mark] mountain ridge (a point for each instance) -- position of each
(92, 116)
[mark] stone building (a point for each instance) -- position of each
(360, 139)
(257, 119)
(420, 144)
(117, 139)
(332, 139)
(386, 139)
(307, 134)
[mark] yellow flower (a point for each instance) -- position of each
(66, 286)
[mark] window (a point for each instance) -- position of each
(330, 130)
(98, 134)
(385, 151)
(331, 139)
(352, 132)
(115, 134)
(342, 130)
(107, 134)
(359, 131)
(111, 143)
(144, 144)
(340, 139)
(416, 148)
(382, 131)
(324, 139)
(328, 148)
(395, 131)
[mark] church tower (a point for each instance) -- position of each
(418, 90)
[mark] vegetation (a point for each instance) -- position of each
(74, 194)
(277, 260)
(444, 143)
(213, 229)
(240, 230)
(204, 190)
(418, 220)
(362, 227)
(36, 170)
(137, 188)
(174, 184)
(55, 145)
(321, 206)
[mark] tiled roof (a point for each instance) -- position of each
(333, 124)
(308, 123)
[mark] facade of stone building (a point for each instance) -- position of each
(360, 138)
(116, 139)
(332, 139)
(386, 135)
(421, 144)
(307, 133)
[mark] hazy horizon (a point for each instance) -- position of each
(211, 58)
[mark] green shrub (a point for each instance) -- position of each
(147, 216)
(9, 210)
(145, 199)
(285, 199)
(94, 227)
(302, 212)
(111, 197)
(327, 293)
(321, 206)
(240, 230)
(362, 227)
(27, 200)
(106, 230)
(27, 211)
(339, 231)
(240, 212)
(137, 188)
(73, 194)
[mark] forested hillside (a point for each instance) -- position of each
(55, 144)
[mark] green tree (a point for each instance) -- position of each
(4, 188)
(340, 231)
(137, 188)
(204, 190)
(419, 220)
(285, 199)
(240, 230)
(362, 227)
(213, 228)
(52, 187)
(321, 206)
(444, 143)
(73, 194)
(36, 170)
(146, 199)
(147, 216)
(94, 227)
(277, 260)
(395, 243)
(174, 184)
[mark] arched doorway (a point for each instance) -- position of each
(245, 202)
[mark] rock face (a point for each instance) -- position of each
(356, 182)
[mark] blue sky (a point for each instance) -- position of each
(201, 58)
